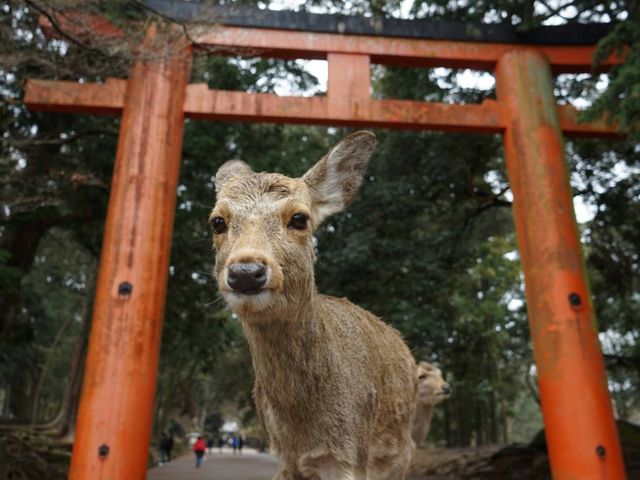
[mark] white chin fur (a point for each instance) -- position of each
(240, 303)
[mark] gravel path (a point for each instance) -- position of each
(251, 465)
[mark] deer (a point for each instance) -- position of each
(334, 385)
(432, 390)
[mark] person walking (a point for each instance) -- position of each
(169, 446)
(166, 443)
(199, 448)
(240, 443)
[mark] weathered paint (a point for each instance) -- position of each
(116, 407)
(349, 85)
(288, 44)
(202, 103)
(575, 400)
(205, 104)
(74, 97)
(384, 50)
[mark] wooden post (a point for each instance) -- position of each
(116, 407)
(348, 85)
(581, 433)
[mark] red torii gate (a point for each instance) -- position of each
(115, 413)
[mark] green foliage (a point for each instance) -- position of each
(9, 275)
(36, 352)
(621, 100)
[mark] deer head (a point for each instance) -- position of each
(263, 225)
(432, 389)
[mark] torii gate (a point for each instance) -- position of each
(115, 413)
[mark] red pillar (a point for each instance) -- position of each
(348, 86)
(580, 428)
(116, 408)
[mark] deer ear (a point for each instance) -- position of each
(335, 179)
(229, 170)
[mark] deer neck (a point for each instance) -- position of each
(422, 422)
(286, 351)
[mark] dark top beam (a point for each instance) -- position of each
(241, 16)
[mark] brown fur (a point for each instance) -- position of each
(335, 386)
(432, 389)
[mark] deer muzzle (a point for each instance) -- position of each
(246, 277)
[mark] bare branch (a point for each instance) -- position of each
(555, 11)
(61, 31)
(48, 141)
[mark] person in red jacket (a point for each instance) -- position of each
(199, 448)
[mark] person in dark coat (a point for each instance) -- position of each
(166, 444)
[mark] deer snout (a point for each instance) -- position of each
(247, 277)
(446, 389)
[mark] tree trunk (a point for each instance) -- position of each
(64, 422)
(21, 236)
(476, 436)
(21, 241)
(505, 424)
(4, 459)
(447, 424)
(22, 398)
(67, 420)
(494, 419)
(464, 434)
(7, 401)
(45, 369)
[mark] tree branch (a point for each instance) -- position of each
(555, 11)
(44, 141)
(61, 31)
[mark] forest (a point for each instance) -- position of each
(429, 245)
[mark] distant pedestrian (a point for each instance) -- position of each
(169, 446)
(240, 443)
(209, 445)
(199, 448)
(166, 444)
(221, 442)
(234, 444)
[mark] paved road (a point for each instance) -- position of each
(251, 465)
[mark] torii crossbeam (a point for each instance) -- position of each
(115, 413)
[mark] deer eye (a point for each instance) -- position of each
(298, 221)
(219, 225)
(422, 377)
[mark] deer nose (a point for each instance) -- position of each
(247, 277)
(446, 389)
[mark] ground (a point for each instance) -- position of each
(451, 463)
(251, 465)
(34, 457)
(442, 464)
(513, 462)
